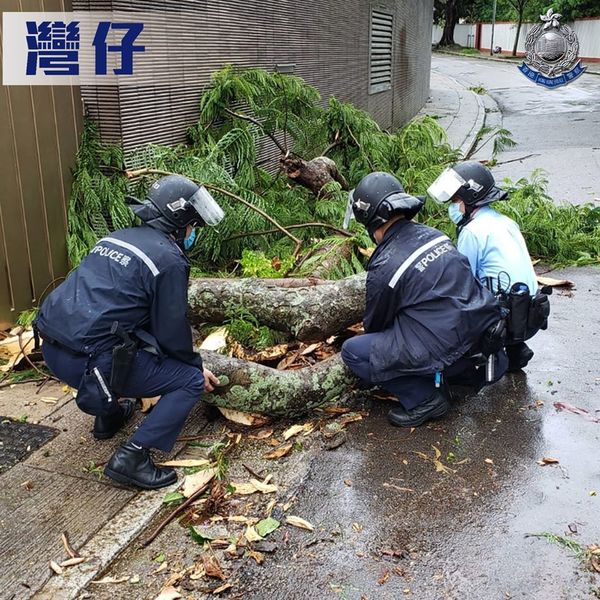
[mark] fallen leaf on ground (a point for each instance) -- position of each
(196, 481)
(134, 579)
(576, 410)
(212, 567)
(266, 526)
(243, 418)
(309, 349)
(489, 461)
(350, 418)
(439, 466)
(49, 400)
(71, 562)
(168, 593)
(547, 460)
(279, 451)
(299, 522)
(384, 577)
(148, 403)
(115, 580)
(264, 486)
(185, 462)
(357, 527)
(224, 587)
(56, 568)
(251, 534)
(163, 567)
(335, 410)
(244, 488)
(595, 563)
(262, 434)
(259, 557)
(555, 282)
(292, 431)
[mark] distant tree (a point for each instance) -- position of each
(519, 6)
(447, 12)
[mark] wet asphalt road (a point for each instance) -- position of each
(391, 526)
(561, 126)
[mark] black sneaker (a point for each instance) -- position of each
(106, 426)
(133, 465)
(518, 356)
(436, 406)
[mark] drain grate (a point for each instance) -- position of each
(18, 440)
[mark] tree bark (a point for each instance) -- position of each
(308, 309)
(313, 174)
(450, 21)
(251, 387)
(514, 52)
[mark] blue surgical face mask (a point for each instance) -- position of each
(189, 241)
(454, 212)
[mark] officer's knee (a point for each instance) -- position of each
(348, 356)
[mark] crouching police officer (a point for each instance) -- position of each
(117, 328)
(424, 309)
(496, 251)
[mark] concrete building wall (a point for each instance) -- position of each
(325, 42)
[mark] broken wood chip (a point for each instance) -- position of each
(280, 451)
(264, 486)
(259, 557)
(299, 522)
(384, 577)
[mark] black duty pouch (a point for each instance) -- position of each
(123, 356)
(539, 311)
(519, 300)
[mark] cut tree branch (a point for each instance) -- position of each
(342, 232)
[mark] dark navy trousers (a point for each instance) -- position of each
(412, 390)
(179, 385)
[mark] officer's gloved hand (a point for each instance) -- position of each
(210, 380)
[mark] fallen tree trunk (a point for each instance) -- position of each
(308, 309)
(251, 387)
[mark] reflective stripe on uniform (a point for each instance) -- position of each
(404, 266)
(139, 253)
(102, 383)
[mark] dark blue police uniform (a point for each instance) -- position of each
(139, 278)
(424, 312)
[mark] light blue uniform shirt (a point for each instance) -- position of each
(494, 246)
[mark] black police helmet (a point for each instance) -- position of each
(480, 188)
(380, 196)
(174, 202)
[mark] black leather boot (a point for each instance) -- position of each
(518, 356)
(132, 465)
(106, 426)
(436, 406)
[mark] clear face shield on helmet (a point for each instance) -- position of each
(446, 185)
(349, 210)
(207, 207)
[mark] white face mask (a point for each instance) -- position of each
(454, 212)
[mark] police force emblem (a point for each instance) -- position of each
(552, 53)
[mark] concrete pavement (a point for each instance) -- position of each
(560, 128)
